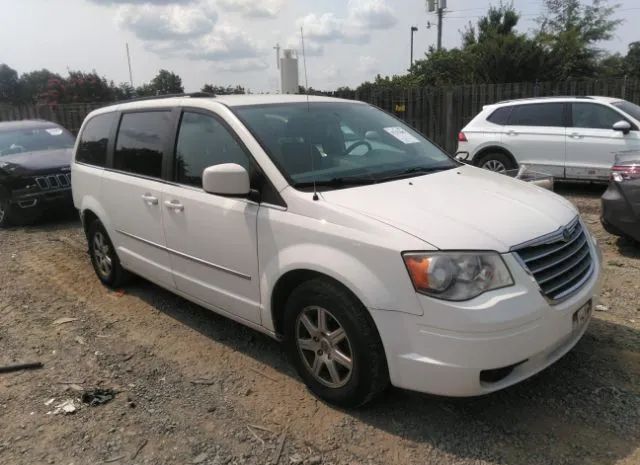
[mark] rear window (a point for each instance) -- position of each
(538, 114)
(92, 147)
(141, 142)
(500, 116)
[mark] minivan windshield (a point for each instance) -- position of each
(629, 108)
(340, 144)
(34, 139)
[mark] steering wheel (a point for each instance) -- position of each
(349, 149)
(13, 149)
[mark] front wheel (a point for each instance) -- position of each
(16, 216)
(334, 345)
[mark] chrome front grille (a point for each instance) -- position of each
(561, 262)
(53, 181)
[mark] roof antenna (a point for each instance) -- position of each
(306, 91)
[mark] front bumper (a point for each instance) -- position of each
(450, 348)
(30, 199)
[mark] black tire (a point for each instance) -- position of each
(369, 375)
(113, 276)
(13, 215)
(495, 159)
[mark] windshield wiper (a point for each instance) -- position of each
(415, 170)
(338, 182)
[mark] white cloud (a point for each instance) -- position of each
(142, 2)
(371, 14)
(226, 42)
(253, 8)
(150, 22)
(368, 65)
(329, 28)
(311, 47)
(242, 65)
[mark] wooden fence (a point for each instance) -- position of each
(437, 112)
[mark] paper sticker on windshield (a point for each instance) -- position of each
(402, 135)
(54, 131)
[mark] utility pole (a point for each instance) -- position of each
(438, 6)
(129, 63)
(413, 29)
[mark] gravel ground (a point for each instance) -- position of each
(193, 387)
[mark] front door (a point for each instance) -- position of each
(211, 239)
(592, 142)
(132, 194)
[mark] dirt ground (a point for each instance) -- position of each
(193, 387)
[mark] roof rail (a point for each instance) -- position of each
(577, 97)
(156, 97)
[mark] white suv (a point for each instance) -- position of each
(334, 227)
(567, 137)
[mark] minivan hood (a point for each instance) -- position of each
(466, 208)
(39, 162)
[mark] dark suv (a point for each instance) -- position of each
(35, 159)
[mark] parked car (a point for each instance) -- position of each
(395, 265)
(567, 137)
(35, 159)
(621, 201)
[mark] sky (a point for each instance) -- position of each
(231, 42)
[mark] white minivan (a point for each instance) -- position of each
(328, 224)
(566, 137)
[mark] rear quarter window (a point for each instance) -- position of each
(500, 116)
(92, 146)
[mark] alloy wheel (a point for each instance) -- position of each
(101, 251)
(494, 165)
(324, 346)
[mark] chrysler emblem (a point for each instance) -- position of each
(566, 234)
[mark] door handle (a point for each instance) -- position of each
(174, 205)
(511, 132)
(575, 135)
(150, 199)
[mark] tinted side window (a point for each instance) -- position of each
(500, 116)
(592, 115)
(538, 114)
(92, 148)
(140, 142)
(204, 141)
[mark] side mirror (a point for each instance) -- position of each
(226, 179)
(623, 126)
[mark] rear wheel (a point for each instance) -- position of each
(334, 345)
(103, 257)
(497, 162)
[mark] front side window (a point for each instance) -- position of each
(538, 114)
(34, 140)
(140, 142)
(204, 141)
(629, 108)
(92, 147)
(594, 116)
(340, 144)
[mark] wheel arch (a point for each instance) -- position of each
(288, 282)
(493, 149)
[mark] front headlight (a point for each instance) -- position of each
(456, 275)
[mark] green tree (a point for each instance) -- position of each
(167, 82)
(442, 68)
(34, 84)
(223, 90)
(570, 32)
(123, 91)
(9, 87)
(632, 60)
